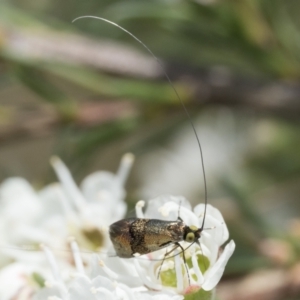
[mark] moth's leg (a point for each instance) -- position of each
(184, 261)
(167, 253)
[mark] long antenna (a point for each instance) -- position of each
(175, 91)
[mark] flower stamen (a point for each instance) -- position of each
(111, 274)
(197, 270)
(76, 256)
(125, 167)
(55, 272)
(139, 209)
(178, 270)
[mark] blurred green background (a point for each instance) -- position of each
(89, 93)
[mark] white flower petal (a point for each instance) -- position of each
(124, 292)
(213, 219)
(48, 294)
(126, 270)
(95, 183)
(51, 198)
(155, 204)
(101, 281)
(105, 190)
(170, 211)
(213, 275)
(68, 183)
(17, 192)
(148, 283)
(209, 247)
(13, 278)
(81, 289)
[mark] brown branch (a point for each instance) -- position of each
(38, 119)
(214, 86)
(61, 47)
(220, 86)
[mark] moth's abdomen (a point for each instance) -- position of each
(119, 233)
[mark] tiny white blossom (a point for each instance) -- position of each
(205, 257)
(83, 286)
(62, 209)
(204, 266)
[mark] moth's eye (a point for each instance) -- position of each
(193, 227)
(190, 237)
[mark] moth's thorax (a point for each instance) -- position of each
(134, 235)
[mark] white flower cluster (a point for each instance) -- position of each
(61, 210)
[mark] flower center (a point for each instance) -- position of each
(168, 274)
(94, 236)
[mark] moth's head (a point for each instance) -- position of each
(192, 234)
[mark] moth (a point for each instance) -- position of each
(135, 236)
